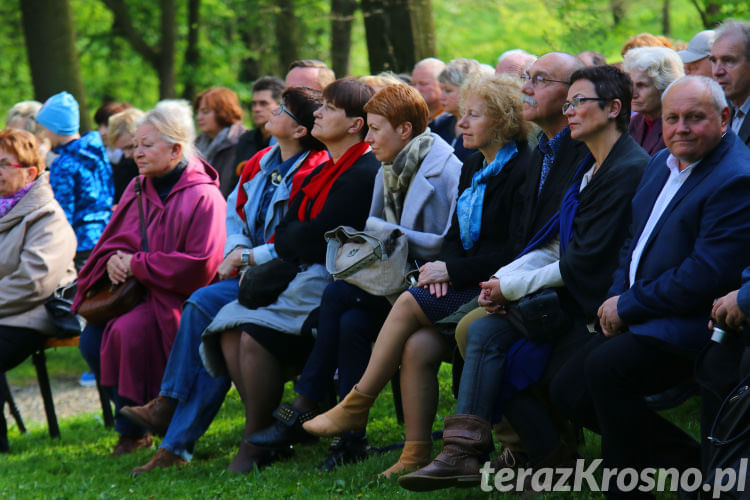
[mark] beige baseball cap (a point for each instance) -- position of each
(698, 47)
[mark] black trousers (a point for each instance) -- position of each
(16, 344)
(603, 386)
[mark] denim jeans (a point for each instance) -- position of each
(487, 343)
(349, 322)
(199, 395)
(90, 344)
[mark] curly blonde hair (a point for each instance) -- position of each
(502, 97)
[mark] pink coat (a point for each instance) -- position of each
(186, 237)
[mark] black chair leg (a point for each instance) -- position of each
(40, 363)
(397, 403)
(7, 396)
(109, 420)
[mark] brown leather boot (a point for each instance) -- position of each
(348, 416)
(128, 444)
(163, 458)
(467, 442)
(154, 415)
(415, 454)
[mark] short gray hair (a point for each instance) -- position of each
(732, 26)
(25, 111)
(517, 52)
(457, 70)
(662, 65)
(434, 64)
(718, 99)
(173, 119)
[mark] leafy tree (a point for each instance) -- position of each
(50, 37)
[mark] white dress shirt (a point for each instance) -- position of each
(674, 183)
(540, 268)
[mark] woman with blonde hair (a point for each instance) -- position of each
(182, 222)
(478, 239)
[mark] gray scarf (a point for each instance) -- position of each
(208, 147)
(397, 176)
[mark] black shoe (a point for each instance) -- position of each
(345, 450)
(673, 396)
(286, 429)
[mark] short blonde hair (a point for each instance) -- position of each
(502, 96)
(26, 112)
(124, 122)
(174, 121)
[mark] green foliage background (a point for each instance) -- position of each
(481, 29)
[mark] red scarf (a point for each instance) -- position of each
(252, 167)
(316, 191)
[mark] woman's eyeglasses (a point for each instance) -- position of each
(576, 101)
(282, 109)
(6, 164)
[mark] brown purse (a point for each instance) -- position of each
(105, 301)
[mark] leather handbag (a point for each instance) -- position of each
(58, 305)
(261, 285)
(374, 261)
(729, 442)
(105, 301)
(539, 316)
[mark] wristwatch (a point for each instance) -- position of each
(245, 257)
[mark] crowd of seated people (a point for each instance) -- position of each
(614, 195)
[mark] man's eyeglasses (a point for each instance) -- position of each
(540, 80)
(5, 164)
(282, 109)
(576, 101)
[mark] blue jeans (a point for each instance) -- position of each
(349, 322)
(90, 344)
(487, 343)
(199, 395)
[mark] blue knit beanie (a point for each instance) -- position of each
(60, 114)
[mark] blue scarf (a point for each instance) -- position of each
(562, 222)
(471, 201)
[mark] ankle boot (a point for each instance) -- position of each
(350, 415)
(415, 454)
(467, 442)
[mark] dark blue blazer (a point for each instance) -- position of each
(697, 250)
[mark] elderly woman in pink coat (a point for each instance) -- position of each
(184, 214)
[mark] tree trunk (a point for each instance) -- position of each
(376, 33)
(423, 29)
(666, 28)
(165, 68)
(388, 29)
(618, 11)
(710, 13)
(50, 46)
(192, 56)
(287, 33)
(342, 15)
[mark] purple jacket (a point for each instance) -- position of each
(186, 237)
(651, 142)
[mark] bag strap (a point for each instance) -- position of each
(712, 435)
(144, 239)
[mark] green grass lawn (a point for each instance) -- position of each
(79, 466)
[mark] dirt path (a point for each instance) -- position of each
(70, 399)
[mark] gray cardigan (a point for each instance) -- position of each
(429, 203)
